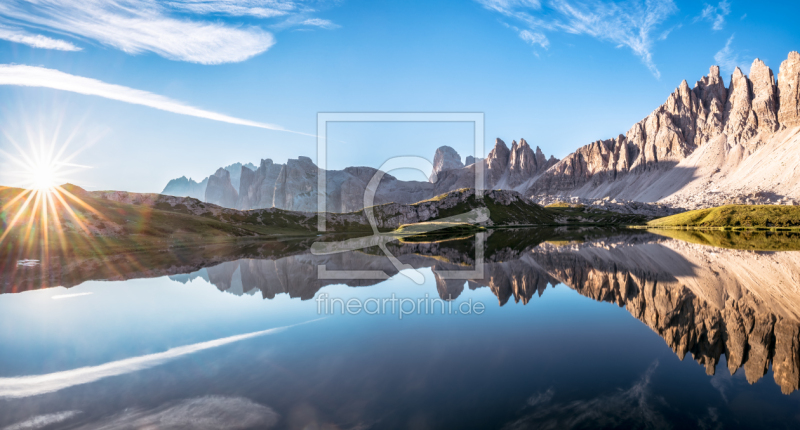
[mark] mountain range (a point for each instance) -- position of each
(706, 145)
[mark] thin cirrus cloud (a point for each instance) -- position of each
(631, 24)
(182, 30)
(42, 421)
(16, 387)
(727, 59)
(254, 8)
(29, 76)
(715, 14)
(35, 40)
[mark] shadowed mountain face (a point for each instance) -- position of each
(701, 300)
(293, 186)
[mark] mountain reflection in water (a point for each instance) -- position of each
(703, 300)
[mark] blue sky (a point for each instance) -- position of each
(558, 73)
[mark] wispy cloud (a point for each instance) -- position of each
(726, 58)
(715, 14)
(30, 76)
(635, 407)
(666, 32)
(534, 38)
(183, 30)
(254, 8)
(629, 24)
(301, 22)
(42, 421)
(34, 385)
(509, 7)
(199, 413)
(318, 22)
(35, 40)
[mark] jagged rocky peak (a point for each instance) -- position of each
(186, 187)
(497, 161)
(500, 152)
(257, 187)
(524, 163)
(740, 121)
(469, 160)
(446, 158)
(746, 113)
(712, 96)
(220, 191)
(765, 96)
(789, 91)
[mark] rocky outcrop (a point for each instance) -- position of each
(789, 91)
(446, 158)
(524, 165)
(186, 187)
(765, 97)
(656, 158)
(220, 191)
(293, 186)
(497, 162)
(257, 189)
(740, 120)
(296, 181)
(235, 170)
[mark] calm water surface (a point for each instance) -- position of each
(602, 331)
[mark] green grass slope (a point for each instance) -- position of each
(750, 240)
(734, 216)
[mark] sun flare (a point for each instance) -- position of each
(43, 176)
(38, 210)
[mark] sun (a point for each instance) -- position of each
(43, 176)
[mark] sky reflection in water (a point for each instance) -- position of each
(177, 353)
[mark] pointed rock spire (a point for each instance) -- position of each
(446, 158)
(765, 97)
(740, 122)
(789, 91)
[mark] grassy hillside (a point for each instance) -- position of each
(517, 212)
(750, 240)
(87, 225)
(524, 212)
(580, 214)
(734, 216)
(78, 222)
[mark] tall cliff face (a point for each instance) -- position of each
(765, 97)
(235, 170)
(738, 120)
(220, 191)
(296, 186)
(789, 91)
(446, 158)
(257, 189)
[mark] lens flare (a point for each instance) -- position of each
(44, 176)
(38, 216)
